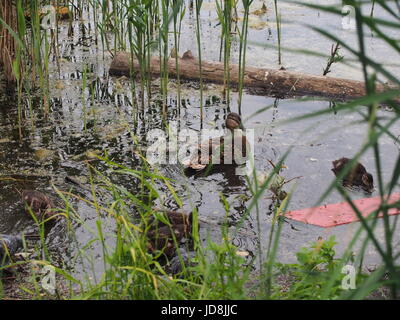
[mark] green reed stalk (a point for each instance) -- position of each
(164, 54)
(151, 23)
(138, 34)
(199, 3)
(45, 77)
(54, 38)
(224, 11)
(83, 97)
(18, 66)
(178, 17)
(278, 28)
(372, 8)
(243, 48)
(114, 23)
(39, 53)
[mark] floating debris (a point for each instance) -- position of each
(5, 140)
(275, 185)
(261, 11)
(242, 253)
(43, 155)
(335, 214)
(92, 154)
(64, 13)
(174, 53)
(59, 85)
(255, 22)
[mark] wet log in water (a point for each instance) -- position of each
(7, 43)
(269, 82)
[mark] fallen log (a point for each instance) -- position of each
(269, 82)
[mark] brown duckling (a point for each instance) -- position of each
(40, 204)
(161, 236)
(232, 139)
(174, 218)
(357, 176)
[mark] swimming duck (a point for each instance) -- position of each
(40, 204)
(161, 236)
(215, 146)
(357, 176)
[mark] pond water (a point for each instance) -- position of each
(55, 148)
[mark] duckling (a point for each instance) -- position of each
(357, 176)
(40, 204)
(215, 146)
(161, 236)
(174, 218)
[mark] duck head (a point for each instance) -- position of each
(368, 182)
(233, 121)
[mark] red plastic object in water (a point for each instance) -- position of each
(341, 213)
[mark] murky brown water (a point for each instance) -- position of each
(110, 118)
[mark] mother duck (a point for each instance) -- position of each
(232, 148)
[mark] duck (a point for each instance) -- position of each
(161, 236)
(357, 176)
(41, 205)
(215, 146)
(173, 217)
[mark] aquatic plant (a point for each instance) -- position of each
(225, 16)
(334, 58)
(7, 43)
(278, 30)
(243, 48)
(198, 4)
